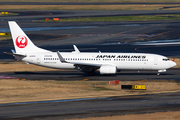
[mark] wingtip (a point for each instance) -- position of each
(76, 49)
(60, 57)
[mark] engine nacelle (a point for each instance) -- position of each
(108, 69)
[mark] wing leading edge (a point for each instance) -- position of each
(90, 68)
(77, 63)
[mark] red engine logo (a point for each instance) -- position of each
(21, 41)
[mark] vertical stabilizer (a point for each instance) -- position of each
(21, 41)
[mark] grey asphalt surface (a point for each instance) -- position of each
(52, 39)
(137, 104)
(74, 75)
(101, 36)
(26, 15)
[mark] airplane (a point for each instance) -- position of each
(88, 62)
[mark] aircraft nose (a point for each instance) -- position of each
(172, 64)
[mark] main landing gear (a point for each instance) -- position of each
(91, 73)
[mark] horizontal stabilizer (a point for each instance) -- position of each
(15, 54)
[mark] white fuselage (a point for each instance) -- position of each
(123, 61)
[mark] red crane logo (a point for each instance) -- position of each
(21, 41)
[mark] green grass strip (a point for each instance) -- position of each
(9, 14)
(121, 18)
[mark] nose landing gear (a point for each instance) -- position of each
(158, 74)
(159, 71)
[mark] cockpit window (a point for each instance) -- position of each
(165, 59)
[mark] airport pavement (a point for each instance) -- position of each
(32, 15)
(166, 32)
(102, 36)
(96, 107)
(75, 75)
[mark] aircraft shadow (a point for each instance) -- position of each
(143, 74)
(49, 73)
(84, 74)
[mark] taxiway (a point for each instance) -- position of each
(105, 38)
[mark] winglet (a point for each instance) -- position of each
(76, 49)
(60, 57)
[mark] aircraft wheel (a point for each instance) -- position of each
(91, 73)
(158, 74)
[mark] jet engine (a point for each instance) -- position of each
(107, 69)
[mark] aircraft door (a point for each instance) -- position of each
(38, 59)
(155, 60)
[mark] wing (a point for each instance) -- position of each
(81, 65)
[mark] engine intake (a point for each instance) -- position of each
(108, 69)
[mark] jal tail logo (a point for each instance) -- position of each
(21, 41)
